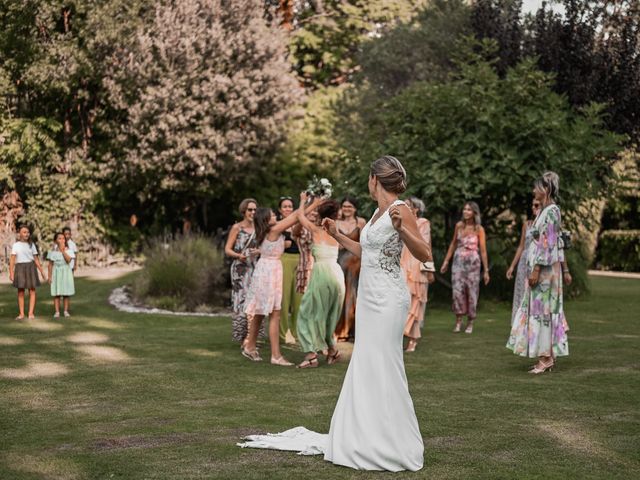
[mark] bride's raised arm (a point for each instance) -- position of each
(354, 247)
(405, 223)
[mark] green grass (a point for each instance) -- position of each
(172, 396)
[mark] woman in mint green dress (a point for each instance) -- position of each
(60, 274)
(321, 304)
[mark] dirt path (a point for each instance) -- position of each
(603, 273)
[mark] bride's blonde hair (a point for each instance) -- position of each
(390, 173)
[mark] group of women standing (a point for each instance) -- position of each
(299, 277)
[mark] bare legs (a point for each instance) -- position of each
(32, 303)
(56, 305)
(21, 303)
(249, 349)
(458, 327)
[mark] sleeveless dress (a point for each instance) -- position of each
(522, 274)
(465, 275)
(322, 302)
(374, 425)
(351, 267)
(417, 283)
(241, 273)
(265, 291)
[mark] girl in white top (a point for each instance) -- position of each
(24, 265)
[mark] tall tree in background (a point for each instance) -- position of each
(327, 34)
(51, 63)
(204, 93)
(500, 20)
(592, 47)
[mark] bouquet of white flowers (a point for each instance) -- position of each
(320, 187)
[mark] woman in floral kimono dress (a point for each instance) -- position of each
(539, 328)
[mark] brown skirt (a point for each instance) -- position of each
(25, 275)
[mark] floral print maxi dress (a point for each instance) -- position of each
(540, 327)
(241, 273)
(465, 275)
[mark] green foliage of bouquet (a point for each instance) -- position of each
(320, 187)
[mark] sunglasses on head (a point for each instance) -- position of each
(285, 198)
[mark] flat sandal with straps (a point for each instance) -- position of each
(312, 362)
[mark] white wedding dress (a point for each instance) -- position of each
(374, 425)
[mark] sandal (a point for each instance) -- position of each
(254, 356)
(469, 328)
(309, 363)
(411, 346)
(333, 357)
(542, 367)
(283, 362)
(458, 327)
(20, 317)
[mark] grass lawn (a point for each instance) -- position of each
(108, 395)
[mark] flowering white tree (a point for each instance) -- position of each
(204, 91)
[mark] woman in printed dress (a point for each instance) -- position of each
(468, 239)
(349, 225)
(418, 279)
(304, 238)
(290, 260)
(519, 261)
(264, 297)
(241, 247)
(540, 328)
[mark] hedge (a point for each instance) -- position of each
(619, 250)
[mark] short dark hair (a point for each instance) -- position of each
(55, 237)
(66, 229)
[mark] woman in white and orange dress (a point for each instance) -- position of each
(417, 276)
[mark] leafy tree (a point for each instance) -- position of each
(485, 138)
(51, 54)
(327, 34)
(204, 93)
(500, 20)
(482, 137)
(592, 47)
(416, 50)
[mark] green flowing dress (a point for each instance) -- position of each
(321, 304)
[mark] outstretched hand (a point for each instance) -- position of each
(329, 226)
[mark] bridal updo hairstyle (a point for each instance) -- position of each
(390, 173)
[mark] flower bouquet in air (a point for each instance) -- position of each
(319, 187)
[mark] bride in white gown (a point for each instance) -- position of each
(374, 425)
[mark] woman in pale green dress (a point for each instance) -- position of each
(321, 304)
(60, 274)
